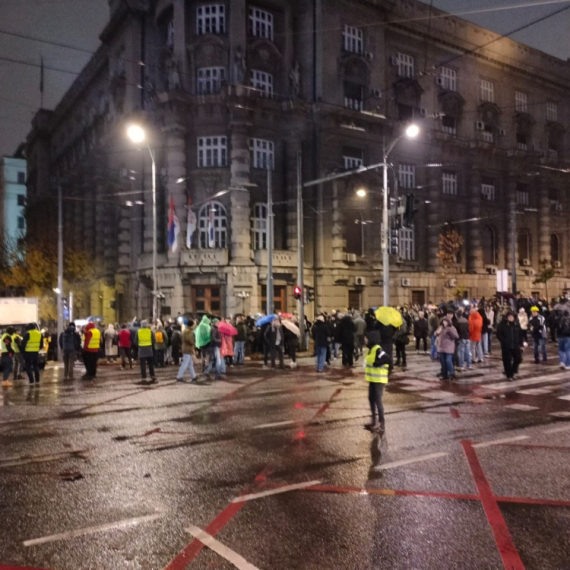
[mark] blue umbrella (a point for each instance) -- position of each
(265, 320)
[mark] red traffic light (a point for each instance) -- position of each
(297, 292)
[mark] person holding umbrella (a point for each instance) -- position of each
(292, 335)
(276, 341)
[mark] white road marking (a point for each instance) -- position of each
(227, 553)
(437, 395)
(276, 491)
(521, 407)
(92, 529)
(413, 388)
(45, 458)
(564, 397)
(409, 461)
(499, 441)
(536, 391)
(560, 414)
(276, 424)
(558, 429)
(559, 377)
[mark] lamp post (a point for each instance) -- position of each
(138, 135)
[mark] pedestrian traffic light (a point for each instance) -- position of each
(394, 241)
(309, 295)
(297, 292)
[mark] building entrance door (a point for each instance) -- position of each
(418, 297)
(207, 299)
(279, 298)
(355, 300)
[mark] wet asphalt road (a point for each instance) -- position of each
(114, 475)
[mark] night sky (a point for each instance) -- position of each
(78, 23)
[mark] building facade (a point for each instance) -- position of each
(13, 175)
(233, 93)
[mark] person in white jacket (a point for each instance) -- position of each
(523, 322)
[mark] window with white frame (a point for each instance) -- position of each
(449, 183)
(487, 91)
(407, 249)
(449, 125)
(551, 111)
(170, 33)
(407, 175)
(212, 226)
(259, 226)
(523, 195)
(353, 96)
(262, 154)
(521, 102)
(261, 23)
(211, 19)
(353, 39)
(488, 133)
(405, 65)
(210, 80)
(352, 158)
(448, 78)
(262, 81)
(488, 191)
(212, 152)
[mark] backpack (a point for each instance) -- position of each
(563, 324)
(158, 337)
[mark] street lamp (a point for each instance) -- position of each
(361, 192)
(137, 135)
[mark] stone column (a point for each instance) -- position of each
(544, 253)
(511, 195)
(240, 208)
(293, 147)
(338, 226)
(474, 249)
(433, 219)
(180, 50)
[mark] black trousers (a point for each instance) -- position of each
(125, 353)
(347, 354)
(144, 360)
(277, 351)
(512, 358)
(375, 392)
(424, 338)
(32, 366)
(401, 353)
(90, 360)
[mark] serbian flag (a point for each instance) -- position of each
(211, 233)
(190, 225)
(173, 227)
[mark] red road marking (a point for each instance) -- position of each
(389, 492)
(505, 545)
(454, 413)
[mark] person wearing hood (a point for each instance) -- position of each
(216, 360)
(276, 340)
(125, 347)
(111, 349)
(447, 335)
(145, 341)
(537, 329)
(321, 335)
(70, 344)
(344, 335)
(510, 336)
(401, 339)
(91, 347)
(377, 366)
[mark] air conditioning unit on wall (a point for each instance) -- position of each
(491, 270)
(452, 283)
(406, 282)
(557, 264)
(360, 281)
(526, 262)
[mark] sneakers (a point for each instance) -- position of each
(265, 367)
(7, 384)
(180, 380)
(562, 365)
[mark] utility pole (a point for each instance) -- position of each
(514, 246)
(300, 250)
(71, 306)
(269, 288)
(385, 230)
(154, 241)
(59, 267)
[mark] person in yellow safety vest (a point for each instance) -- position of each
(91, 346)
(7, 356)
(30, 347)
(377, 365)
(145, 340)
(18, 358)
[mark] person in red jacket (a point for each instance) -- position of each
(91, 348)
(125, 346)
(475, 332)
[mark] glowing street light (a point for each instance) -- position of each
(361, 192)
(412, 131)
(136, 134)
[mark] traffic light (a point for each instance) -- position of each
(297, 292)
(394, 241)
(309, 295)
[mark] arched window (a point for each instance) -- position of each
(213, 225)
(523, 244)
(489, 246)
(259, 226)
(554, 248)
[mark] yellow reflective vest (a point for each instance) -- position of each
(373, 373)
(145, 337)
(16, 338)
(34, 341)
(95, 340)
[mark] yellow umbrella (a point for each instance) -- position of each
(389, 316)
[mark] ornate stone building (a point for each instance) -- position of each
(227, 89)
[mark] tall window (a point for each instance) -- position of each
(489, 246)
(261, 23)
(170, 33)
(210, 80)
(523, 195)
(448, 78)
(21, 200)
(449, 125)
(212, 224)
(521, 102)
(488, 190)
(212, 152)
(353, 96)
(21, 223)
(352, 158)
(487, 91)
(523, 244)
(259, 226)
(554, 248)
(405, 65)
(407, 244)
(407, 175)
(262, 153)
(21, 178)
(551, 111)
(449, 183)
(262, 81)
(211, 19)
(353, 39)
